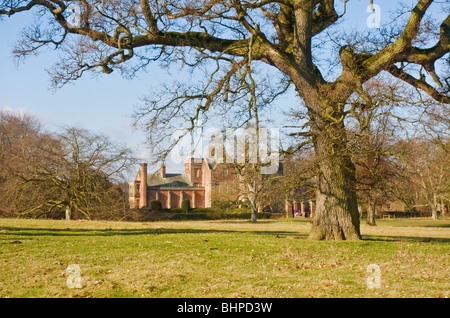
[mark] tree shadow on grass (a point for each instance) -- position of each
(415, 223)
(16, 231)
(30, 232)
(390, 238)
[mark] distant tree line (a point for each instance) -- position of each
(401, 164)
(73, 173)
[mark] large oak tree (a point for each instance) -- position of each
(234, 36)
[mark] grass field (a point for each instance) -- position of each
(271, 258)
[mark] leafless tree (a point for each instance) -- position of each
(230, 40)
(75, 170)
(436, 123)
(83, 169)
(375, 170)
(374, 130)
(428, 169)
(247, 166)
(21, 138)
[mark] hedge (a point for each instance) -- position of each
(202, 214)
(155, 205)
(185, 205)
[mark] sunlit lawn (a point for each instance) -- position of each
(271, 258)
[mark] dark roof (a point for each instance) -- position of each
(171, 180)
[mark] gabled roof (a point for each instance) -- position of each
(172, 179)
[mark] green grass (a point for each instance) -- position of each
(229, 258)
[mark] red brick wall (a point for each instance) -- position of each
(143, 200)
(162, 197)
(151, 195)
(187, 195)
(175, 199)
(228, 183)
(193, 171)
(199, 199)
(206, 183)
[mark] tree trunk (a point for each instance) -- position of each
(371, 215)
(371, 211)
(254, 215)
(68, 212)
(337, 215)
(253, 198)
(434, 213)
(434, 208)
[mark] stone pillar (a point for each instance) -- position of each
(193, 199)
(143, 186)
(134, 194)
(303, 208)
(181, 197)
(169, 199)
(288, 209)
(162, 171)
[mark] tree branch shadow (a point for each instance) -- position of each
(16, 231)
(391, 238)
(279, 234)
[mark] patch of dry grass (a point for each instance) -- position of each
(271, 258)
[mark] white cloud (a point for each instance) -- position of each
(17, 111)
(24, 111)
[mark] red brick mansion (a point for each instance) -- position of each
(199, 180)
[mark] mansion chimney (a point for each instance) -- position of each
(162, 171)
(143, 186)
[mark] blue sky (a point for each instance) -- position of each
(103, 104)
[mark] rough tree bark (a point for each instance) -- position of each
(371, 211)
(68, 212)
(122, 29)
(337, 215)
